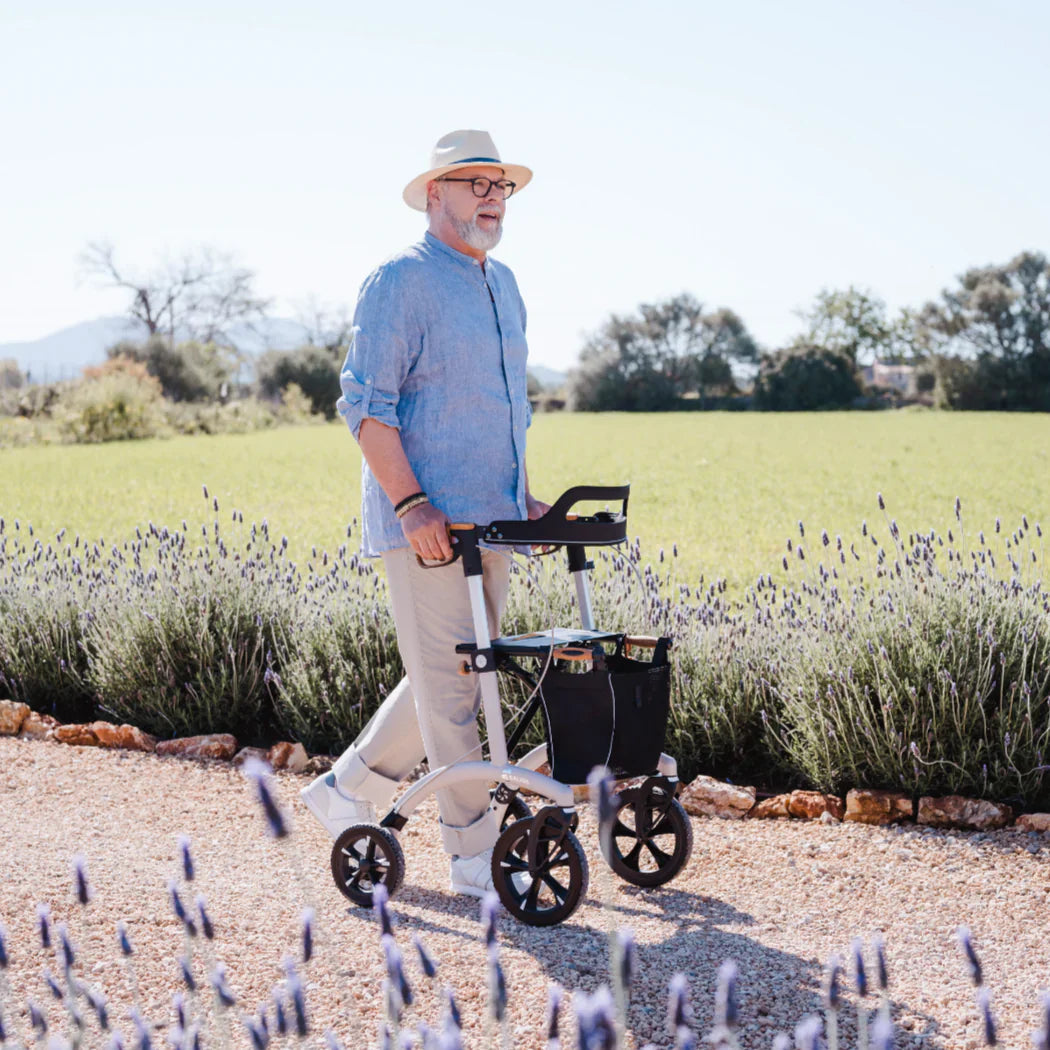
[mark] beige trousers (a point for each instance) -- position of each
(433, 710)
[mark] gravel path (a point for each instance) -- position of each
(777, 897)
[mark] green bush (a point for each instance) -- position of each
(188, 371)
(313, 369)
(805, 378)
(115, 406)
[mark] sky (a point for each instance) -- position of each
(751, 153)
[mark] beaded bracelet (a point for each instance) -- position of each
(417, 499)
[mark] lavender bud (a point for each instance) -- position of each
(255, 1033)
(37, 1018)
(834, 973)
(973, 964)
(554, 994)
(882, 502)
(202, 911)
(145, 1041)
(882, 1033)
(489, 908)
(43, 918)
(860, 973)
(332, 1040)
(179, 1004)
(984, 1004)
(68, 955)
(98, 1004)
(308, 935)
(594, 1018)
(807, 1032)
(222, 991)
(395, 969)
(727, 1011)
(122, 939)
(295, 990)
(187, 974)
(53, 986)
(678, 1013)
(425, 960)
(454, 1020)
(626, 958)
(280, 1018)
(380, 896)
(3, 947)
(881, 974)
(260, 772)
(497, 987)
(80, 880)
(187, 858)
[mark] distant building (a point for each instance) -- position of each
(895, 377)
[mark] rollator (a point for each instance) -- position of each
(602, 705)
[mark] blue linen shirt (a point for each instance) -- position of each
(438, 350)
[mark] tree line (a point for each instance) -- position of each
(982, 344)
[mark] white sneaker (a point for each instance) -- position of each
(333, 809)
(472, 875)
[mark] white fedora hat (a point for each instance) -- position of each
(461, 149)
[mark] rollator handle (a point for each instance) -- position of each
(427, 563)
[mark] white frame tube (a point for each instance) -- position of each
(583, 598)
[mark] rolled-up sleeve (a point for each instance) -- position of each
(383, 345)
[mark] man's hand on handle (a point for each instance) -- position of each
(536, 508)
(426, 529)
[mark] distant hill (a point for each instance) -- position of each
(548, 378)
(63, 354)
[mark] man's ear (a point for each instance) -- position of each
(433, 193)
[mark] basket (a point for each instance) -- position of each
(614, 715)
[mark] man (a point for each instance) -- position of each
(434, 391)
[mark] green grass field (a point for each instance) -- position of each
(727, 488)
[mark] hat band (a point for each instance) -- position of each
(478, 160)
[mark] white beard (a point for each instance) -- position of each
(473, 235)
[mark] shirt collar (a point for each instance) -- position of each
(460, 257)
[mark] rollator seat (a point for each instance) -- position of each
(539, 642)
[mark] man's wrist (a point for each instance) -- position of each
(417, 499)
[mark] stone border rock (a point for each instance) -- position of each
(704, 796)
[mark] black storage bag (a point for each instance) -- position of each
(625, 705)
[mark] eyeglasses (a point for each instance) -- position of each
(483, 187)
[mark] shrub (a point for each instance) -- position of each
(313, 369)
(188, 371)
(804, 378)
(114, 406)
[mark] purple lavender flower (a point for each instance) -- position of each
(489, 910)
(727, 1010)
(280, 1017)
(860, 974)
(332, 1040)
(807, 1031)
(308, 934)
(202, 911)
(426, 962)
(973, 964)
(679, 1015)
(834, 973)
(68, 955)
(187, 974)
(187, 858)
(497, 986)
(217, 979)
(37, 1019)
(882, 502)
(260, 772)
(395, 969)
(3, 947)
(380, 897)
(984, 1004)
(554, 996)
(53, 986)
(80, 880)
(594, 1018)
(43, 919)
(880, 962)
(255, 1034)
(123, 940)
(627, 959)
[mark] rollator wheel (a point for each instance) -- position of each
(652, 836)
(548, 888)
(365, 856)
(517, 809)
